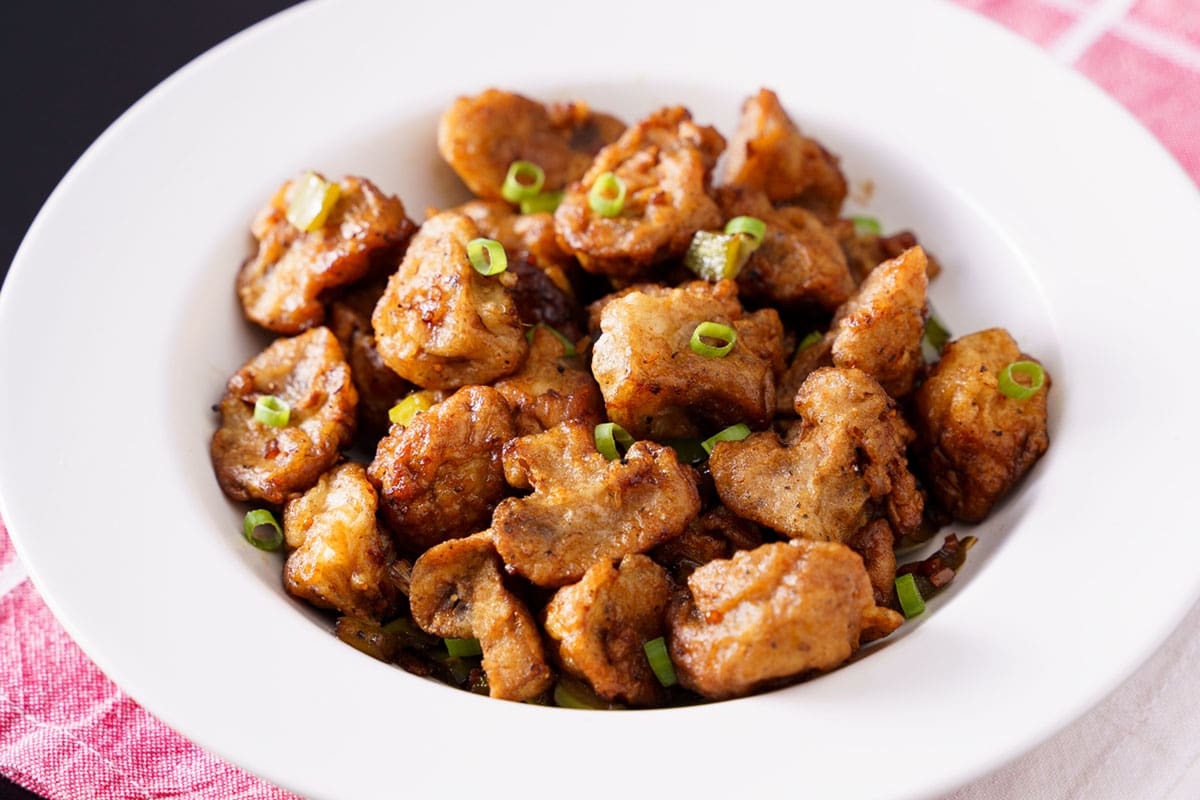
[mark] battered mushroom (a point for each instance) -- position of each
(664, 162)
(378, 387)
(256, 460)
(768, 152)
(718, 533)
(656, 386)
(585, 508)
(457, 592)
(974, 442)
(339, 555)
(551, 387)
(599, 627)
(876, 544)
(481, 136)
(842, 466)
(283, 285)
(864, 250)
(808, 358)
(799, 263)
(879, 329)
(770, 614)
(440, 476)
(440, 323)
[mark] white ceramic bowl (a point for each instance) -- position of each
(1055, 214)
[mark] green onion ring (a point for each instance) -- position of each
(463, 648)
(660, 661)
(523, 181)
(493, 263)
(753, 227)
(540, 203)
(612, 440)
(273, 411)
(734, 433)
(599, 196)
(911, 602)
(568, 345)
(252, 528)
(712, 330)
(1019, 391)
(866, 226)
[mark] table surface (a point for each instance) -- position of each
(81, 64)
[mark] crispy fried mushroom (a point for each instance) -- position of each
(551, 387)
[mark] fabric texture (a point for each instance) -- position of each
(68, 733)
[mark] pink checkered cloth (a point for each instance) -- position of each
(67, 733)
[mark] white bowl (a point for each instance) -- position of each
(1055, 214)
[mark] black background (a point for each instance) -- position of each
(67, 70)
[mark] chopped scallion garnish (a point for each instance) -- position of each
(911, 602)
(936, 333)
(717, 256)
(312, 200)
(808, 341)
(607, 195)
(463, 648)
(734, 433)
(273, 411)
(262, 530)
(713, 330)
(660, 661)
(568, 345)
(612, 440)
(487, 256)
(687, 451)
(866, 226)
(403, 412)
(564, 697)
(543, 202)
(753, 227)
(1031, 371)
(523, 181)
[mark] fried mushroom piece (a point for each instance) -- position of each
(378, 387)
(585, 508)
(717, 533)
(875, 543)
(282, 287)
(551, 388)
(664, 162)
(806, 360)
(458, 592)
(973, 441)
(440, 323)
(339, 557)
(865, 251)
(480, 136)
(799, 263)
(254, 460)
(768, 152)
(842, 465)
(771, 614)
(655, 386)
(441, 475)
(599, 627)
(879, 329)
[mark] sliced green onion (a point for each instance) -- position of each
(540, 203)
(271, 410)
(261, 530)
(607, 196)
(713, 330)
(312, 200)
(866, 226)
(660, 661)
(911, 602)
(463, 648)
(734, 433)
(524, 180)
(1030, 370)
(493, 263)
(568, 345)
(753, 227)
(687, 451)
(612, 440)
(808, 341)
(403, 412)
(717, 256)
(576, 697)
(936, 333)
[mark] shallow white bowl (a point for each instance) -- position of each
(1056, 215)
